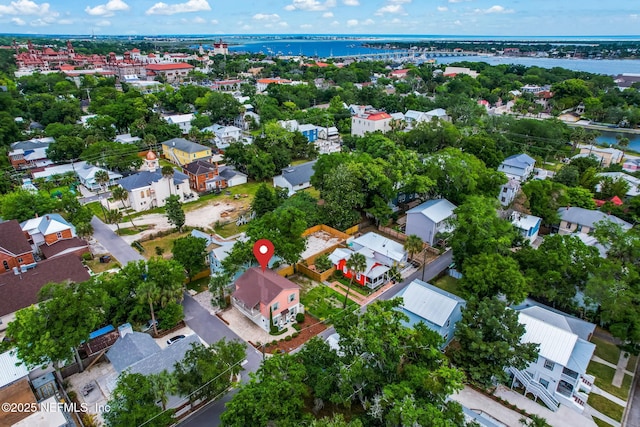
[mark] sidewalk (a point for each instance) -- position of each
(621, 369)
(357, 297)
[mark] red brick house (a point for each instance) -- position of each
(15, 249)
(199, 172)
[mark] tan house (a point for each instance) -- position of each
(580, 220)
(606, 155)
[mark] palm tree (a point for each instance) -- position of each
(534, 421)
(84, 229)
(114, 216)
(167, 172)
(102, 178)
(119, 193)
(218, 284)
(356, 264)
(413, 245)
(148, 292)
(163, 384)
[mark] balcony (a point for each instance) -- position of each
(251, 313)
(586, 382)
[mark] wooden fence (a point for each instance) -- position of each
(314, 275)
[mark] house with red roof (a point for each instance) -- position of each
(171, 72)
(265, 297)
(370, 121)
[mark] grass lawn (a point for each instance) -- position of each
(95, 208)
(606, 406)
(131, 231)
(199, 285)
(449, 284)
(604, 376)
(601, 423)
(606, 350)
(323, 302)
(164, 242)
(230, 229)
(97, 267)
(362, 290)
(631, 364)
(313, 192)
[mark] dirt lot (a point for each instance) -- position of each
(310, 328)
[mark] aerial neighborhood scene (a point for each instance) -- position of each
(334, 213)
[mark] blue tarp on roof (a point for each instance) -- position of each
(101, 331)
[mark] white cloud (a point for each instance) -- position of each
(335, 23)
(442, 8)
(351, 2)
(310, 5)
(266, 17)
(18, 21)
(166, 9)
(283, 24)
(634, 16)
(103, 23)
(26, 7)
(458, 1)
(399, 1)
(65, 21)
(214, 21)
(42, 22)
(457, 22)
(391, 8)
(107, 9)
(352, 23)
(306, 26)
(368, 22)
(327, 15)
(199, 20)
(494, 9)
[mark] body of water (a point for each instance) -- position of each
(325, 48)
(609, 138)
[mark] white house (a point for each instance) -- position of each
(437, 309)
(509, 191)
(149, 188)
(295, 178)
(527, 225)
(367, 122)
(558, 376)
(518, 166)
(634, 183)
(430, 218)
(606, 155)
(438, 113)
(375, 273)
(225, 134)
(182, 120)
(87, 176)
(387, 251)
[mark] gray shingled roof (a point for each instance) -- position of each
(145, 178)
(166, 359)
(185, 145)
(589, 217)
(131, 348)
(299, 174)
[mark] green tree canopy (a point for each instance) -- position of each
(190, 252)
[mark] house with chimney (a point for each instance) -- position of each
(15, 250)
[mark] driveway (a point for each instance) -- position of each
(118, 248)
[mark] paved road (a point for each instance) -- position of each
(632, 417)
(118, 248)
(212, 329)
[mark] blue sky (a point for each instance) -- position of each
(447, 17)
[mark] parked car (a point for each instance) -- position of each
(149, 325)
(175, 339)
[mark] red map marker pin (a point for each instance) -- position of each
(263, 251)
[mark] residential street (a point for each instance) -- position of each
(212, 329)
(113, 243)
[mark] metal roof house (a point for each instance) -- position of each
(559, 374)
(518, 166)
(527, 225)
(580, 220)
(295, 178)
(387, 251)
(430, 218)
(437, 309)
